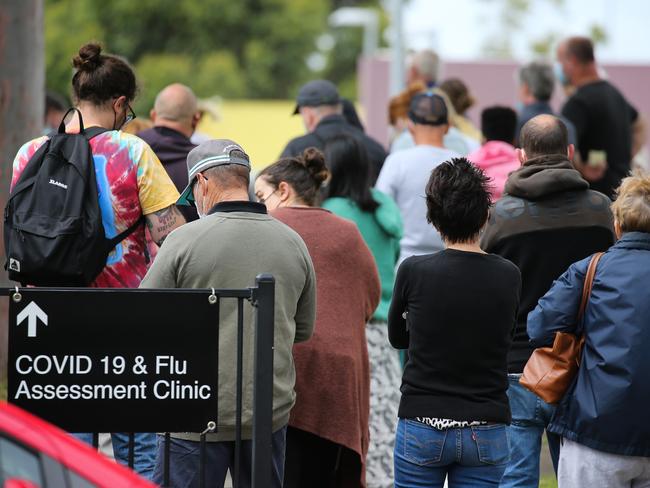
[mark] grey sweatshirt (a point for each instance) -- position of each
(228, 249)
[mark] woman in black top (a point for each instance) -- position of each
(454, 311)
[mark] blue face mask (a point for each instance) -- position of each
(560, 74)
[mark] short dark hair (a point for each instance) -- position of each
(499, 124)
(581, 48)
(305, 174)
(458, 200)
(347, 160)
(544, 135)
(101, 77)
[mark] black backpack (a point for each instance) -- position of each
(53, 230)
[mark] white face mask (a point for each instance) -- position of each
(199, 210)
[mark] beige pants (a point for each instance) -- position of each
(581, 466)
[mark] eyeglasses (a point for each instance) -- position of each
(264, 199)
(129, 116)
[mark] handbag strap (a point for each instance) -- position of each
(589, 282)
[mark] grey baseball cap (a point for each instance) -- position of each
(316, 93)
(207, 155)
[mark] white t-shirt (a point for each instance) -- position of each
(404, 176)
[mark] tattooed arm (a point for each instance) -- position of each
(162, 222)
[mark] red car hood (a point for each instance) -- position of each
(61, 446)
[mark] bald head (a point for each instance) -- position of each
(176, 107)
(544, 135)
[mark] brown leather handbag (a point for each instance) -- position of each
(550, 370)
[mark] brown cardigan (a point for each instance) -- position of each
(332, 372)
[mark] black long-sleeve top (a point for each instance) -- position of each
(455, 311)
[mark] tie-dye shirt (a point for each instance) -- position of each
(131, 182)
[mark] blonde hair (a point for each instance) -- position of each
(632, 206)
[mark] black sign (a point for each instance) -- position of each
(92, 360)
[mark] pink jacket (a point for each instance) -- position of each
(497, 159)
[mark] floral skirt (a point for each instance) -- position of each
(385, 381)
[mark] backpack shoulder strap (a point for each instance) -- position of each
(91, 132)
(120, 237)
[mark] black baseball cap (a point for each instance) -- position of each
(316, 93)
(428, 109)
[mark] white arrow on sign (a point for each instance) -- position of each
(32, 313)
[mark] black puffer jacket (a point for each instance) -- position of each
(331, 126)
(547, 220)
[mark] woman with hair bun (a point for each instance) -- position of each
(327, 438)
(131, 183)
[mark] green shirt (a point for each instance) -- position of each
(382, 231)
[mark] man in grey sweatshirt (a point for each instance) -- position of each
(233, 242)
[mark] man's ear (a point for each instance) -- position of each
(152, 115)
(195, 119)
(521, 155)
(203, 183)
(570, 151)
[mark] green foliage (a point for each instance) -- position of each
(66, 28)
(598, 34)
(543, 47)
(245, 48)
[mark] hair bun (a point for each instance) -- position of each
(89, 57)
(314, 160)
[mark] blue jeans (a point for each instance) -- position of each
(472, 457)
(530, 416)
(220, 457)
(144, 455)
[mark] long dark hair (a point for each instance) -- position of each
(349, 166)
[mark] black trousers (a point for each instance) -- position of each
(314, 462)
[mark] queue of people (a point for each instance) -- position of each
(464, 254)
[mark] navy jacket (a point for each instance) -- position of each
(607, 406)
(172, 148)
(331, 126)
